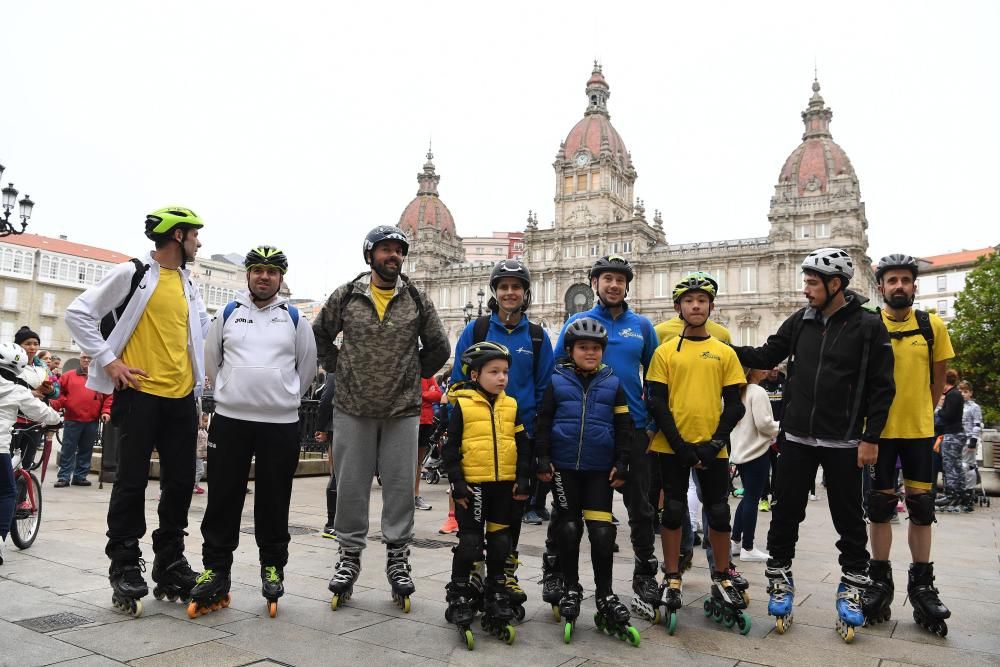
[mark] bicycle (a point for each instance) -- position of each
(28, 490)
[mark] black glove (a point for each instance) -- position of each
(459, 489)
(522, 486)
(686, 455)
(621, 470)
(971, 443)
(543, 464)
(707, 451)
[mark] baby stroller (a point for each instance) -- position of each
(974, 481)
(433, 468)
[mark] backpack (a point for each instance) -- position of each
(924, 329)
(414, 294)
(109, 321)
(535, 331)
(293, 312)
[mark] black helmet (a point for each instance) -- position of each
(615, 263)
(510, 268)
(478, 354)
(384, 233)
(896, 261)
(265, 255)
(585, 328)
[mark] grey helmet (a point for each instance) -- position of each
(896, 261)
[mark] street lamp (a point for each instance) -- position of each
(468, 312)
(9, 199)
(480, 294)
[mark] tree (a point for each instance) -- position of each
(975, 334)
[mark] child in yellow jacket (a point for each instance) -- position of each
(487, 459)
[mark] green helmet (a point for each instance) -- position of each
(164, 220)
(696, 282)
(265, 255)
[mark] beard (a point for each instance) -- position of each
(386, 272)
(898, 301)
(263, 295)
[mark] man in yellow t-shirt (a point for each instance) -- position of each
(922, 348)
(144, 325)
(675, 326)
(694, 397)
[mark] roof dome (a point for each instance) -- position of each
(818, 159)
(595, 132)
(427, 209)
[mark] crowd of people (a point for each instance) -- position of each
(660, 414)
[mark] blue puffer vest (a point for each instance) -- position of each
(583, 428)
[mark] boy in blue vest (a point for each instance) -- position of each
(583, 440)
(487, 459)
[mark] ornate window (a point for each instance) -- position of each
(17, 262)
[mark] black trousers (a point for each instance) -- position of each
(584, 496)
(517, 508)
(491, 514)
(642, 522)
(145, 422)
(232, 443)
(797, 467)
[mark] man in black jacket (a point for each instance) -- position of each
(837, 399)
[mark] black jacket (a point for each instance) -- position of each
(824, 372)
(949, 417)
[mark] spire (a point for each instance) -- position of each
(428, 178)
(817, 116)
(598, 92)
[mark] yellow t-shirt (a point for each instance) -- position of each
(912, 411)
(672, 329)
(381, 297)
(159, 344)
(695, 375)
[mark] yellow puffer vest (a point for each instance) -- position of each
(489, 452)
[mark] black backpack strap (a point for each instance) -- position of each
(415, 295)
(480, 328)
(927, 331)
(868, 332)
(109, 321)
(537, 334)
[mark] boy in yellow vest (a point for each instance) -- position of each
(486, 457)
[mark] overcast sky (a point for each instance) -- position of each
(304, 124)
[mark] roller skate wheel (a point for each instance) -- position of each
(470, 641)
(272, 609)
(656, 617)
(226, 600)
(568, 632)
(632, 635)
(728, 618)
(192, 610)
(519, 613)
(555, 613)
(743, 622)
(172, 597)
(509, 634)
(708, 607)
(404, 604)
(334, 602)
(746, 598)
(671, 622)
(599, 622)
(781, 625)
(136, 608)
(158, 594)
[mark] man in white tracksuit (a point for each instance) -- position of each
(261, 358)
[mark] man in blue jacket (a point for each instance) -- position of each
(530, 370)
(631, 343)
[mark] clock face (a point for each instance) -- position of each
(582, 160)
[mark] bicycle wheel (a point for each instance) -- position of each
(27, 513)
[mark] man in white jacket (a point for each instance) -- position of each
(144, 326)
(261, 358)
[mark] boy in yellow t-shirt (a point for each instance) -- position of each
(694, 396)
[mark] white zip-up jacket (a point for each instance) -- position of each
(752, 435)
(83, 317)
(258, 362)
(14, 397)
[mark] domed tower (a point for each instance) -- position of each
(817, 201)
(595, 178)
(430, 225)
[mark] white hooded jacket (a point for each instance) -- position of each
(14, 397)
(259, 362)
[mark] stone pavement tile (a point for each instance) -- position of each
(206, 653)
(93, 660)
(46, 575)
(33, 648)
(101, 599)
(428, 610)
(295, 645)
(140, 637)
(21, 601)
(970, 631)
(317, 615)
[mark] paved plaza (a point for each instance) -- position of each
(65, 574)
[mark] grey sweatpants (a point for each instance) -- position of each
(357, 450)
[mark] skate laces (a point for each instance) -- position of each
(131, 572)
(271, 574)
(205, 577)
(779, 582)
(397, 565)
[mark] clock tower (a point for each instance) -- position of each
(595, 178)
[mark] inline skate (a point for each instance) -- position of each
(613, 618)
(128, 586)
(646, 598)
(928, 610)
(342, 582)
(174, 580)
(850, 615)
(517, 595)
(781, 588)
(497, 611)
(569, 610)
(877, 600)
(552, 582)
(211, 593)
(397, 571)
(671, 599)
(272, 579)
(461, 609)
(726, 605)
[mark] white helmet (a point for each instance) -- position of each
(13, 357)
(829, 262)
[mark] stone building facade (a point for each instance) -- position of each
(816, 203)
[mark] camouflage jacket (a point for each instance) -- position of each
(379, 363)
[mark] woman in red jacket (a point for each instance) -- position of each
(431, 395)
